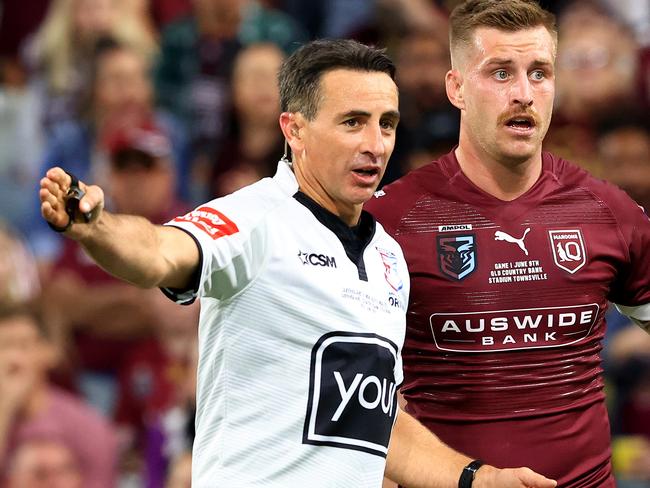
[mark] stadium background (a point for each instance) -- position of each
(167, 103)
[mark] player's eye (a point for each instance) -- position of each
(501, 74)
(538, 75)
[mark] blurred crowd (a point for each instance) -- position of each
(168, 103)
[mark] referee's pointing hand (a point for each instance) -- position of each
(54, 193)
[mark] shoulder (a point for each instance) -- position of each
(395, 200)
(598, 199)
(257, 200)
(236, 213)
(384, 239)
(573, 177)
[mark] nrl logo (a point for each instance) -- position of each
(568, 249)
(457, 256)
(389, 259)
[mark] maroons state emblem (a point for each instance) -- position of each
(457, 256)
(568, 249)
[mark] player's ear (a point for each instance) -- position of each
(454, 86)
(291, 124)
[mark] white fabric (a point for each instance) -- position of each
(291, 343)
(641, 312)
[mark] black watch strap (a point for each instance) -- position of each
(467, 476)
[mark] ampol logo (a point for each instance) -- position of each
(568, 249)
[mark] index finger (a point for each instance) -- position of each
(59, 176)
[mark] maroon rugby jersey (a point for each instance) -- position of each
(505, 318)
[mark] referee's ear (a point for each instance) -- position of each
(291, 124)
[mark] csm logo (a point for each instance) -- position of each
(315, 259)
(352, 392)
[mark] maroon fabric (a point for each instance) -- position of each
(17, 22)
(506, 314)
(148, 385)
(165, 11)
(91, 351)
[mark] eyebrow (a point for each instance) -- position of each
(542, 63)
(507, 62)
(394, 114)
(499, 61)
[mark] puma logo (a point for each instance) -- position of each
(502, 236)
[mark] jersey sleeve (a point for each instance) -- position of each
(387, 205)
(631, 293)
(231, 239)
(376, 206)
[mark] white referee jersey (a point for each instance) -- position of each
(299, 346)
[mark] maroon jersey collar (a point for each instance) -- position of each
(460, 185)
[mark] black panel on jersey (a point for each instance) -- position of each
(354, 239)
(362, 416)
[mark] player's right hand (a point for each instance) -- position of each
(53, 191)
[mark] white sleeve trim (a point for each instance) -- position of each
(640, 312)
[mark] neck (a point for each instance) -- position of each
(505, 180)
(349, 214)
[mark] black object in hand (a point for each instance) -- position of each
(72, 199)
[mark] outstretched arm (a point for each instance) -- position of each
(418, 459)
(127, 246)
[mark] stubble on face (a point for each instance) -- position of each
(508, 89)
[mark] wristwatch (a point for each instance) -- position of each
(469, 471)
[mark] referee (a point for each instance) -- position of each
(303, 296)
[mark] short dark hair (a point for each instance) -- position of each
(300, 74)
(506, 15)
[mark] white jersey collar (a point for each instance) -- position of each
(285, 178)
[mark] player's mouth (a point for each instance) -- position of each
(521, 124)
